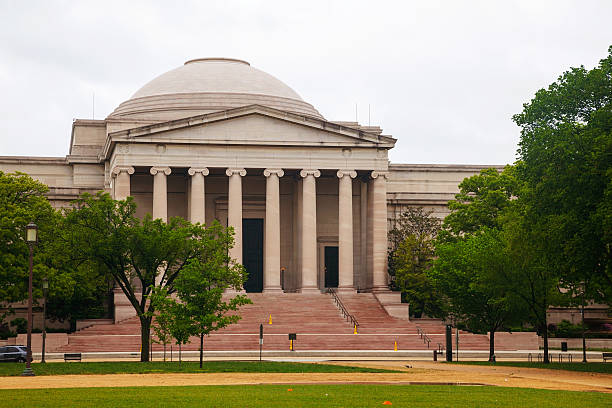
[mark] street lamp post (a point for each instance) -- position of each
(45, 285)
(31, 239)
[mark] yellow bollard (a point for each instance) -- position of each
(270, 320)
(395, 346)
(355, 330)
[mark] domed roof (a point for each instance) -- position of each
(207, 85)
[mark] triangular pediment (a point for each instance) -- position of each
(256, 125)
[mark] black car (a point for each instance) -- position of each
(13, 353)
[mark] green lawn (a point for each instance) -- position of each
(129, 367)
(594, 367)
(302, 396)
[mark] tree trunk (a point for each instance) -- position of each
(545, 337)
(164, 352)
(145, 336)
(180, 355)
(492, 346)
(201, 348)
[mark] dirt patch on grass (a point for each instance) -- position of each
(420, 372)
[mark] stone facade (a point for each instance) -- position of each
(218, 139)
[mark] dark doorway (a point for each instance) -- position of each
(331, 266)
(252, 253)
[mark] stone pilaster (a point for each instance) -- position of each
(309, 231)
(160, 191)
(234, 210)
(197, 199)
(379, 231)
(272, 232)
(122, 181)
(345, 230)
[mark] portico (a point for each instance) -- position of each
(303, 177)
(294, 241)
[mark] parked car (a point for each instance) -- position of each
(13, 353)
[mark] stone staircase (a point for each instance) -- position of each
(315, 319)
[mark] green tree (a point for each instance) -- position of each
(201, 285)
(472, 275)
(138, 255)
(481, 200)
(410, 255)
(22, 200)
(566, 154)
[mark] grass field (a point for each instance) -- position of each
(303, 396)
(129, 367)
(605, 368)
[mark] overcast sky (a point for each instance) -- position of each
(443, 77)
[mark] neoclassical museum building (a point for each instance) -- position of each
(310, 199)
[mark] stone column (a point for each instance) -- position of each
(234, 210)
(197, 202)
(309, 231)
(272, 232)
(122, 181)
(379, 232)
(160, 192)
(345, 230)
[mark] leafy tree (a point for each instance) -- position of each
(471, 274)
(22, 200)
(170, 321)
(481, 201)
(76, 290)
(410, 255)
(138, 255)
(531, 278)
(566, 151)
(201, 285)
(162, 317)
(566, 154)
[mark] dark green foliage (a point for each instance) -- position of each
(566, 154)
(22, 201)
(567, 329)
(76, 290)
(410, 255)
(473, 266)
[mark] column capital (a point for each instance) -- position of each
(350, 173)
(383, 174)
(269, 172)
(122, 169)
(239, 171)
(193, 170)
(160, 169)
(310, 172)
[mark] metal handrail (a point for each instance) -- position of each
(424, 336)
(343, 309)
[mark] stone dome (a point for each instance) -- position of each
(208, 85)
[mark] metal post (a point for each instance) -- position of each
(457, 342)
(44, 322)
(449, 343)
(28, 369)
(584, 358)
(260, 340)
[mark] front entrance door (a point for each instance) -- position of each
(252, 253)
(331, 266)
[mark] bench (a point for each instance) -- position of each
(606, 356)
(72, 356)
